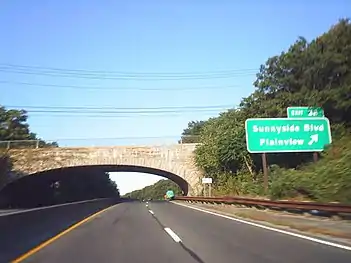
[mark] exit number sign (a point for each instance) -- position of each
(305, 112)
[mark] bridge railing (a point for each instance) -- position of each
(19, 144)
(101, 142)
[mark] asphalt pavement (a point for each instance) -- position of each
(165, 232)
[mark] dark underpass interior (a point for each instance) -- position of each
(71, 184)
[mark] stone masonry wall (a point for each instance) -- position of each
(177, 159)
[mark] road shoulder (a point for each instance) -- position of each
(326, 229)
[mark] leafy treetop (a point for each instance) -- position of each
(14, 127)
(315, 73)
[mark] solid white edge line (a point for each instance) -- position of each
(48, 207)
(172, 234)
(316, 240)
(151, 212)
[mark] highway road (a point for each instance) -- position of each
(165, 232)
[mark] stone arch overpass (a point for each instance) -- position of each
(175, 162)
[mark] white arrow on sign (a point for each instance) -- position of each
(314, 138)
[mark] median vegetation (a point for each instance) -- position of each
(314, 73)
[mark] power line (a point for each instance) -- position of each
(114, 112)
(113, 88)
(139, 115)
(55, 72)
(116, 108)
(48, 74)
(133, 114)
(230, 71)
(111, 112)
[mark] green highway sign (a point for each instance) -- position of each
(170, 194)
(287, 135)
(305, 112)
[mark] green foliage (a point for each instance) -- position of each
(14, 127)
(192, 132)
(241, 183)
(37, 190)
(329, 179)
(315, 74)
(155, 191)
(87, 184)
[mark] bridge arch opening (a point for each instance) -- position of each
(47, 177)
(182, 183)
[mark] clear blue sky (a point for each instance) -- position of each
(144, 36)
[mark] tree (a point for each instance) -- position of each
(14, 127)
(316, 74)
(192, 132)
(59, 186)
(155, 191)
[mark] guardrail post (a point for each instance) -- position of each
(8, 144)
(37, 144)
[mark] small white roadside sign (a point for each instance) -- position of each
(207, 180)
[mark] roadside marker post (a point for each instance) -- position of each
(207, 181)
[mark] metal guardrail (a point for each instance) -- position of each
(330, 208)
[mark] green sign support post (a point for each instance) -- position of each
(276, 135)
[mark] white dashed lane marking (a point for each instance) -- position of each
(173, 235)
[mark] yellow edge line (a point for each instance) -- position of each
(49, 241)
